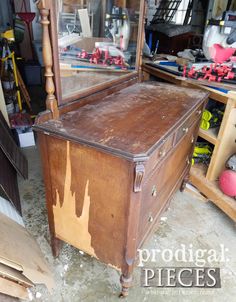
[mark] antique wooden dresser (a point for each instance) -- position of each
(116, 150)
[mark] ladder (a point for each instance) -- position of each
(8, 57)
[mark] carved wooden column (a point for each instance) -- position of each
(126, 278)
(51, 102)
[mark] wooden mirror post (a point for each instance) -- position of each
(51, 102)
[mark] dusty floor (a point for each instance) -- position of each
(81, 278)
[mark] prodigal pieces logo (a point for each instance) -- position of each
(199, 276)
(186, 277)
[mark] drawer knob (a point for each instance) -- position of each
(162, 153)
(188, 161)
(154, 191)
(150, 218)
(199, 112)
(192, 140)
(185, 130)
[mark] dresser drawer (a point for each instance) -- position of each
(185, 127)
(173, 139)
(161, 153)
(163, 150)
(157, 187)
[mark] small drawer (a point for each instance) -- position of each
(160, 153)
(165, 147)
(185, 127)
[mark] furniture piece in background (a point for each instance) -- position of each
(21, 262)
(12, 162)
(109, 149)
(169, 38)
(202, 177)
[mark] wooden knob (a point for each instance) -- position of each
(150, 218)
(162, 153)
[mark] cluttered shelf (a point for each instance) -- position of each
(218, 92)
(222, 136)
(212, 191)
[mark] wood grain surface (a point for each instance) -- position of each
(131, 122)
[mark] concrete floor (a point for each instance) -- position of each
(81, 278)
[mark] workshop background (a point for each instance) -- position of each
(188, 43)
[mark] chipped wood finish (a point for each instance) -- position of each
(88, 206)
(64, 213)
(47, 115)
(118, 120)
(111, 167)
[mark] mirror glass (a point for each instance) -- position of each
(97, 42)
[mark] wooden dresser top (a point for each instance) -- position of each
(131, 122)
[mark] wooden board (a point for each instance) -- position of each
(210, 135)
(84, 22)
(8, 287)
(14, 275)
(7, 298)
(191, 190)
(167, 76)
(207, 83)
(12, 151)
(212, 191)
(8, 175)
(8, 182)
(226, 145)
(20, 251)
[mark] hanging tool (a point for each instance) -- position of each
(28, 18)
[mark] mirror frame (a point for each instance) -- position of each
(51, 59)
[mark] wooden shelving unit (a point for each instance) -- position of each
(209, 135)
(211, 190)
(224, 141)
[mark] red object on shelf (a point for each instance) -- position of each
(227, 183)
(220, 54)
(230, 75)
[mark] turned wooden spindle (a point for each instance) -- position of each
(51, 102)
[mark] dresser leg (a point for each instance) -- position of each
(56, 246)
(126, 283)
(184, 183)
